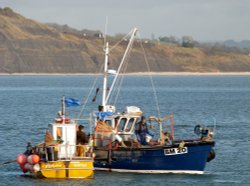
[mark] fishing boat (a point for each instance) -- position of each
(59, 155)
(116, 143)
(118, 146)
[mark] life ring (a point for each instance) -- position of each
(61, 120)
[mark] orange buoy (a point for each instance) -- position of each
(33, 159)
(21, 159)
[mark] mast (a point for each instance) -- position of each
(105, 93)
(105, 77)
(63, 109)
(131, 41)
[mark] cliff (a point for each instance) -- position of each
(27, 46)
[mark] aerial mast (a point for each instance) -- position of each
(106, 94)
(105, 76)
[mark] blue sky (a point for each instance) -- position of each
(204, 20)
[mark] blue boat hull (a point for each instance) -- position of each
(157, 159)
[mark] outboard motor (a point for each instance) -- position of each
(204, 132)
(197, 129)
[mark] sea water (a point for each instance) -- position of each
(29, 103)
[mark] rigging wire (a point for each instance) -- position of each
(95, 80)
(129, 46)
(124, 38)
(119, 84)
(120, 78)
(125, 66)
(115, 89)
(151, 78)
(89, 94)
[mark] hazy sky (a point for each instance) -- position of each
(204, 20)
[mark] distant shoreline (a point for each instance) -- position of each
(136, 74)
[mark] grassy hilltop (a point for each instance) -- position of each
(27, 46)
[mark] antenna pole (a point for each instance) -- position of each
(105, 77)
(63, 109)
(105, 31)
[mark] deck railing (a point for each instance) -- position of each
(55, 152)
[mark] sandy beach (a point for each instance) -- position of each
(136, 74)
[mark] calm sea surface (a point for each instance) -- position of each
(29, 103)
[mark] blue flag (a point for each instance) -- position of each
(72, 102)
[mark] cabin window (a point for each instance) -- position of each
(116, 121)
(130, 124)
(122, 124)
(109, 122)
(59, 133)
